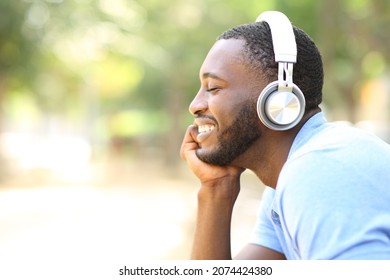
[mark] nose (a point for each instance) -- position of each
(199, 103)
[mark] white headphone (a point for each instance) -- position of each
(281, 104)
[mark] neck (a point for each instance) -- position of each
(269, 153)
(270, 160)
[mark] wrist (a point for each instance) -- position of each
(224, 190)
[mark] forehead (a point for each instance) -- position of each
(224, 55)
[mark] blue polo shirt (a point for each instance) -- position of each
(332, 199)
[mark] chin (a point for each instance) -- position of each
(216, 157)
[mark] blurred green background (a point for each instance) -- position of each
(94, 96)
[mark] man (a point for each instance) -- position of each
(328, 187)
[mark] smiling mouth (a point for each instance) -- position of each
(205, 128)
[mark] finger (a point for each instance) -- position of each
(189, 142)
(193, 130)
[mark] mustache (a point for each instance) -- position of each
(206, 117)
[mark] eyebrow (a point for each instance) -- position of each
(212, 75)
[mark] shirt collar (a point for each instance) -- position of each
(307, 130)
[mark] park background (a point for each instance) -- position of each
(94, 99)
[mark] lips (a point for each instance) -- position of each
(205, 128)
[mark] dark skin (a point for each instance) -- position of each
(226, 84)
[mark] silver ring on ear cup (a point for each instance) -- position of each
(279, 109)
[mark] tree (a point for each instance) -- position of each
(139, 60)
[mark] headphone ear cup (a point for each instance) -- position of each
(279, 109)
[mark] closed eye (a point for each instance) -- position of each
(213, 90)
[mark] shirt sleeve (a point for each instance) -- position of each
(264, 233)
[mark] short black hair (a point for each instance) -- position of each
(259, 55)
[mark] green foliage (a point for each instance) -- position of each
(84, 59)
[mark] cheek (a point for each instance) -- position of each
(223, 111)
(227, 105)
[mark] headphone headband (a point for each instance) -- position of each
(281, 104)
(283, 38)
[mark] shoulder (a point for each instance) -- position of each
(336, 160)
(331, 142)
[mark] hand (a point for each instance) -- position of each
(220, 186)
(207, 173)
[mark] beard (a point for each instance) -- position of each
(236, 139)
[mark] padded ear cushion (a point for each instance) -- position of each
(280, 110)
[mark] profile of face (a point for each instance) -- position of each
(225, 105)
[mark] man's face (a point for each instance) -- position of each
(225, 106)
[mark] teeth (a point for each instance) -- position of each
(205, 128)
